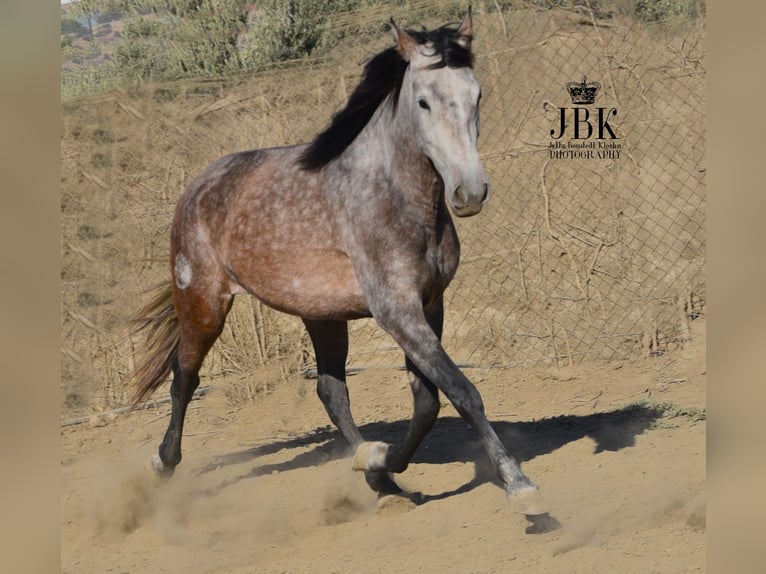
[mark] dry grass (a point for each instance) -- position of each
(570, 262)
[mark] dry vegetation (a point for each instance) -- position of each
(572, 262)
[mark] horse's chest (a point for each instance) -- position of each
(443, 257)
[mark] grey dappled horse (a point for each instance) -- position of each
(354, 224)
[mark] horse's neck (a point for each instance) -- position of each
(383, 179)
(386, 151)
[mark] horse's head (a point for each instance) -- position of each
(442, 94)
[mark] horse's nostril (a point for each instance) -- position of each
(460, 194)
(485, 193)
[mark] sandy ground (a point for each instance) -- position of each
(618, 451)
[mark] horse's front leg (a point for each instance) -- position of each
(409, 327)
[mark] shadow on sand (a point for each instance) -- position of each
(452, 440)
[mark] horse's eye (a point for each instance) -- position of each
(424, 104)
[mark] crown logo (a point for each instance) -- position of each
(583, 92)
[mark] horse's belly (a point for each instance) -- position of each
(316, 285)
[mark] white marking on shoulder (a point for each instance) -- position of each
(183, 272)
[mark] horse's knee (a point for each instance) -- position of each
(427, 407)
(329, 390)
(467, 400)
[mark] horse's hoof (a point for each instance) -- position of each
(542, 523)
(370, 456)
(528, 501)
(157, 470)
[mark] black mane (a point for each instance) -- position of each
(382, 76)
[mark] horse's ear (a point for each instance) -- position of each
(406, 45)
(465, 31)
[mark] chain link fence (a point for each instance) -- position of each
(590, 251)
(595, 254)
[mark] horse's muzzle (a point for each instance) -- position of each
(466, 202)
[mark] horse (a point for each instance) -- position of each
(354, 224)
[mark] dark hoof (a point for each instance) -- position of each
(541, 523)
(382, 483)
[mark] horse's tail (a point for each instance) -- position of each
(158, 317)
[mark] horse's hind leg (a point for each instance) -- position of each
(426, 408)
(201, 311)
(330, 341)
